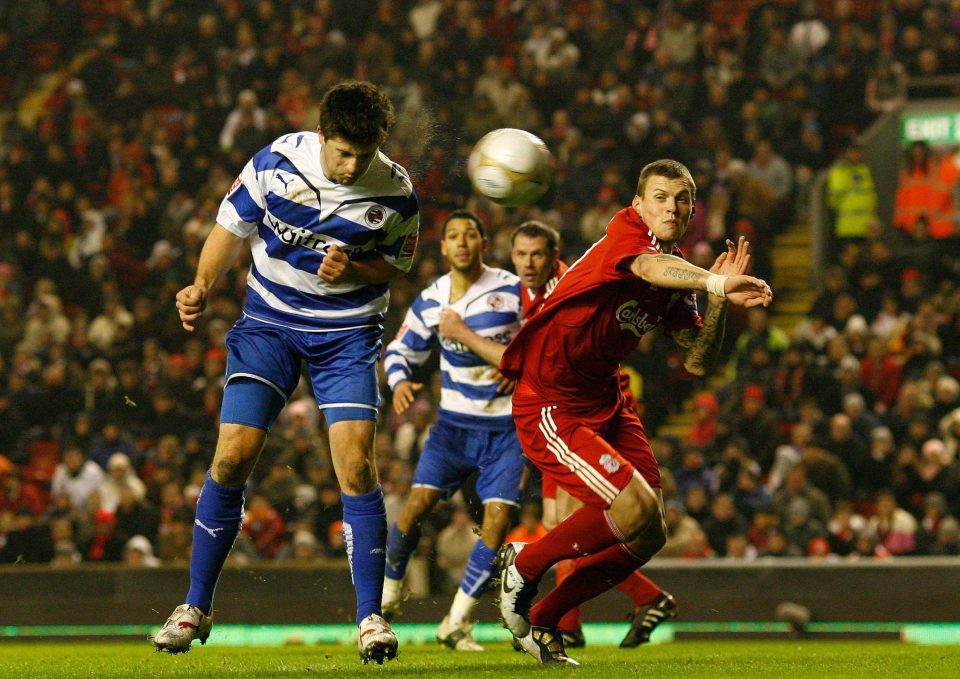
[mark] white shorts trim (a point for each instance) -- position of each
(501, 501)
(322, 406)
(258, 379)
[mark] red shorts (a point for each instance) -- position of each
(548, 488)
(592, 459)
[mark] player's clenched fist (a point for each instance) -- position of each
(334, 266)
(191, 302)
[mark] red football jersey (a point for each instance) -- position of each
(530, 300)
(570, 350)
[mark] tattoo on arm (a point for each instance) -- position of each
(702, 347)
(682, 274)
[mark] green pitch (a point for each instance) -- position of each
(684, 660)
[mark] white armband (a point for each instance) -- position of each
(715, 285)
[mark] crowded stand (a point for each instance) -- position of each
(124, 123)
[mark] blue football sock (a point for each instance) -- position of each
(365, 537)
(219, 516)
(479, 568)
(400, 547)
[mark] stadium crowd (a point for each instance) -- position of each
(118, 141)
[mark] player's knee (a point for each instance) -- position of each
(230, 468)
(655, 537)
(496, 523)
(418, 506)
(237, 451)
(357, 476)
(549, 519)
(233, 463)
(633, 509)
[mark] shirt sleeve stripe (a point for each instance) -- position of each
(247, 209)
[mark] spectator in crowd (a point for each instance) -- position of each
(138, 553)
(851, 195)
(76, 477)
(530, 528)
(948, 538)
(797, 485)
(20, 495)
(724, 521)
(892, 526)
(800, 528)
(121, 476)
(886, 87)
(245, 125)
(264, 526)
(104, 545)
(921, 195)
(682, 529)
(757, 425)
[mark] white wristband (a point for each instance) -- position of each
(715, 285)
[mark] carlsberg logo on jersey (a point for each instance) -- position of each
(630, 319)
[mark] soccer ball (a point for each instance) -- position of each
(510, 167)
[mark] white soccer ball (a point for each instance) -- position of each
(510, 167)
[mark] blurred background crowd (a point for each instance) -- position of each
(124, 122)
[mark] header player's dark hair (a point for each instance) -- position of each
(671, 169)
(537, 229)
(463, 214)
(356, 111)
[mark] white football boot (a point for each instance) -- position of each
(516, 592)
(546, 645)
(377, 641)
(457, 637)
(185, 624)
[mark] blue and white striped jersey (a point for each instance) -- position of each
(491, 308)
(293, 213)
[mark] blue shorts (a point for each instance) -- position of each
(342, 365)
(452, 453)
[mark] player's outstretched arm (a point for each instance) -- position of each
(219, 252)
(669, 271)
(701, 346)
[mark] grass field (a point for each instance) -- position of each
(686, 660)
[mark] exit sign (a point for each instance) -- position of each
(934, 128)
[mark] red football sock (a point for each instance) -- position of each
(571, 620)
(587, 531)
(594, 575)
(641, 589)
